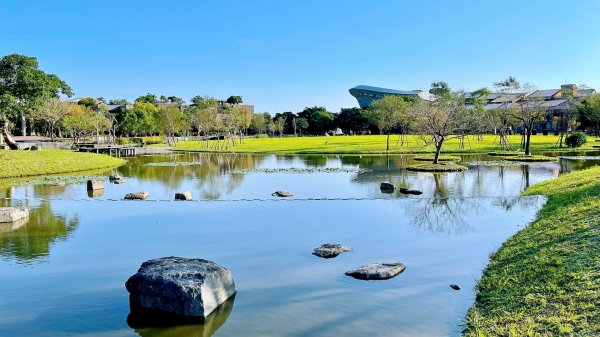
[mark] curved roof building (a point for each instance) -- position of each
(365, 95)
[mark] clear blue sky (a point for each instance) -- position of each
(285, 55)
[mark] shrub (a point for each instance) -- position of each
(576, 139)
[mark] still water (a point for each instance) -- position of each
(63, 272)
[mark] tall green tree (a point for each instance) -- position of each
(24, 87)
(148, 98)
(319, 119)
(389, 112)
(590, 108)
(235, 100)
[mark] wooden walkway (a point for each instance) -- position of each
(109, 149)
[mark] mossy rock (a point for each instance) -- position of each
(532, 158)
(440, 167)
(441, 158)
(505, 154)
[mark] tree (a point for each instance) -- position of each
(508, 89)
(234, 100)
(389, 112)
(101, 99)
(529, 112)
(203, 115)
(257, 125)
(27, 86)
(139, 120)
(87, 102)
(175, 99)
(319, 119)
(352, 120)
(52, 113)
(98, 121)
(171, 121)
(148, 98)
(301, 124)
(590, 108)
(279, 125)
(441, 119)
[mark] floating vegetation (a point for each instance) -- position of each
(580, 157)
(494, 163)
(505, 154)
(56, 180)
(296, 170)
(441, 158)
(441, 167)
(532, 158)
(174, 164)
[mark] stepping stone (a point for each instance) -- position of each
(93, 185)
(12, 214)
(386, 187)
(183, 196)
(330, 250)
(282, 194)
(137, 196)
(377, 271)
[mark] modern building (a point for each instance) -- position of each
(365, 95)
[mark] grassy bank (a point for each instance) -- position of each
(31, 163)
(545, 280)
(375, 144)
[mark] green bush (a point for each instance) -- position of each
(576, 139)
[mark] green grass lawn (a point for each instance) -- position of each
(375, 144)
(30, 163)
(545, 280)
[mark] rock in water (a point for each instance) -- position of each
(137, 196)
(12, 214)
(187, 287)
(114, 177)
(377, 271)
(407, 191)
(455, 286)
(282, 194)
(93, 185)
(330, 250)
(387, 187)
(183, 196)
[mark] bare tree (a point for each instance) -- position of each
(52, 112)
(530, 111)
(508, 89)
(441, 120)
(279, 125)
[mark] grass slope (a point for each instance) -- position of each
(545, 280)
(31, 163)
(374, 144)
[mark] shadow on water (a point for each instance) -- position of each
(31, 239)
(152, 323)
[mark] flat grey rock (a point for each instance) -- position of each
(12, 214)
(282, 194)
(407, 191)
(181, 286)
(93, 185)
(183, 196)
(137, 196)
(330, 250)
(377, 271)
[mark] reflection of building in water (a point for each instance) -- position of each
(149, 323)
(31, 241)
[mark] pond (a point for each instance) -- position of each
(63, 272)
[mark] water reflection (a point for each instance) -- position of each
(151, 324)
(30, 240)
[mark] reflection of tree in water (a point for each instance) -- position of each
(32, 241)
(213, 173)
(508, 203)
(442, 215)
(149, 324)
(382, 168)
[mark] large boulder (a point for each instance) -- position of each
(183, 196)
(12, 214)
(377, 271)
(93, 185)
(181, 286)
(137, 196)
(330, 250)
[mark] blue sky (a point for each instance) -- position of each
(285, 55)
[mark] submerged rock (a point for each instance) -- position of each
(377, 271)
(95, 193)
(93, 185)
(114, 177)
(330, 250)
(407, 191)
(183, 196)
(387, 187)
(137, 196)
(282, 194)
(12, 214)
(181, 286)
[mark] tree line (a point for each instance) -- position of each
(29, 101)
